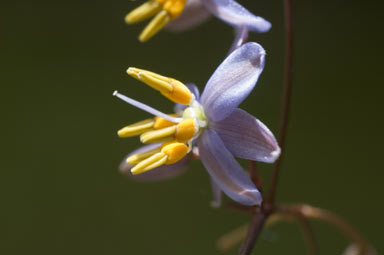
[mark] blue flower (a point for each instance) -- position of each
(212, 123)
(183, 14)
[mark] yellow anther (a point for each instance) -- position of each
(180, 93)
(172, 89)
(173, 7)
(153, 161)
(170, 153)
(153, 80)
(182, 132)
(137, 128)
(163, 123)
(156, 24)
(143, 12)
(136, 158)
(174, 152)
(185, 130)
(165, 11)
(160, 135)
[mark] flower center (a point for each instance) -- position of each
(196, 111)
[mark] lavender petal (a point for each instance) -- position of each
(225, 170)
(236, 15)
(232, 81)
(158, 174)
(247, 137)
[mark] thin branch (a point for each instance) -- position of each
(308, 236)
(285, 107)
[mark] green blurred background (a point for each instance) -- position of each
(60, 188)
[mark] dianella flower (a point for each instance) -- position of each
(183, 14)
(211, 124)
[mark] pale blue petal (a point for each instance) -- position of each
(193, 14)
(236, 15)
(157, 174)
(240, 38)
(225, 170)
(217, 194)
(195, 91)
(232, 81)
(247, 137)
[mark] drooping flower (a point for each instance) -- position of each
(183, 14)
(212, 123)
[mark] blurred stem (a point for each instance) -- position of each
(286, 100)
(308, 236)
(308, 211)
(254, 229)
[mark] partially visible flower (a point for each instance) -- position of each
(213, 123)
(183, 14)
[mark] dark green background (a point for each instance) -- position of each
(60, 189)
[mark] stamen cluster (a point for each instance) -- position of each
(173, 135)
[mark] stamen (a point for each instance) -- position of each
(173, 7)
(143, 12)
(153, 161)
(182, 132)
(156, 24)
(136, 128)
(180, 93)
(169, 154)
(155, 81)
(174, 152)
(160, 135)
(163, 123)
(186, 130)
(136, 158)
(146, 108)
(172, 89)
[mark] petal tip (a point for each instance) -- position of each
(276, 154)
(273, 156)
(251, 197)
(267, 26)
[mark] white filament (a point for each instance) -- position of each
(146, 108)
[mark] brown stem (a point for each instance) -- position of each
(286, 103)
(308, 236)
(254, 175)
(308, 211)
(254, 229)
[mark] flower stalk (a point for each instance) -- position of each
(287, 92)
